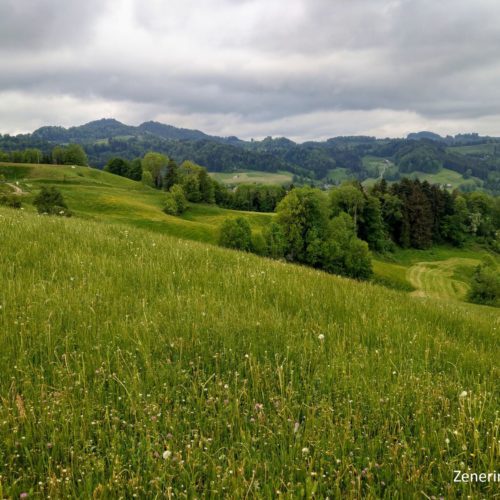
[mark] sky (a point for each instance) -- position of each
(304, 69)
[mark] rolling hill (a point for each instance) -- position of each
(473, 160)
(144, 364)
(96, 195)
(141, 364)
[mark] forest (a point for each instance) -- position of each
(470, 155)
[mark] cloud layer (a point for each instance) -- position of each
(302, 68)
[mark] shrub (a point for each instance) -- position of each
(175, 201)
(50, 201)
(170, 205)
(237, 234)
(485, 285)
(180, 198)
(11, 201)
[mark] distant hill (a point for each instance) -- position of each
(472, 156)
(416, 136)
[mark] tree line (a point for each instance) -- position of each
(336, 231)
(306, 231)
(72, 154)
(161, 172)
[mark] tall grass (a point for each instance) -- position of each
(137, 365)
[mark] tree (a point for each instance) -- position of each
(349, 199)
(50, 201)
(154, 163)
(117, 166)
(371, 225)
(58, 155)
(134, 170)
(32, 155)
(75, 155)
(485, 285)
(344, 253)
(236, 233)
(172, 175)
(171, 207)
(180, 198)
(454, 226)
(147, 178)
(274, 239)
(207, 191)
(420, 218)
(303, 217)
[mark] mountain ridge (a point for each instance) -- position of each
(361, 158)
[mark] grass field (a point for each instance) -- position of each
(339, 175)
(475, 149)
(439, 273)
(446, 176)
(92, 193)
(253, 176)
(138, 364)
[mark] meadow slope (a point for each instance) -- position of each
(138, 364)
(93, 194)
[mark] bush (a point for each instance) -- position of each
(237, 234)
(11, 201)
(170, 205)
(180, 198)
(485, 285)
(176, 202)
(50, 201)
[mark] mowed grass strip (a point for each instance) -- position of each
(138, 364)
(439, 279)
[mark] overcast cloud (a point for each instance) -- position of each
(306, 69)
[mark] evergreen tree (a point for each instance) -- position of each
(172, 175)
(134, 170)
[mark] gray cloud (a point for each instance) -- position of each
(40, 24)
(265, 65)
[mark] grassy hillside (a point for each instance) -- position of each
(445, 177)
(139, 364)
(439, 273)
(474, 149)
(95, 194)
(252, 176)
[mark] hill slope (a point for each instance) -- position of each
(141, 364)
(92, 193)
(472, 161)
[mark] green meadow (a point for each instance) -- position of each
(97, 195)
(139, 364)
(252, 176)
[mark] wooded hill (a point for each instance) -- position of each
(475, 158)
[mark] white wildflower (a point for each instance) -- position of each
(167, 454)
(321, 337)
(463, 394)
